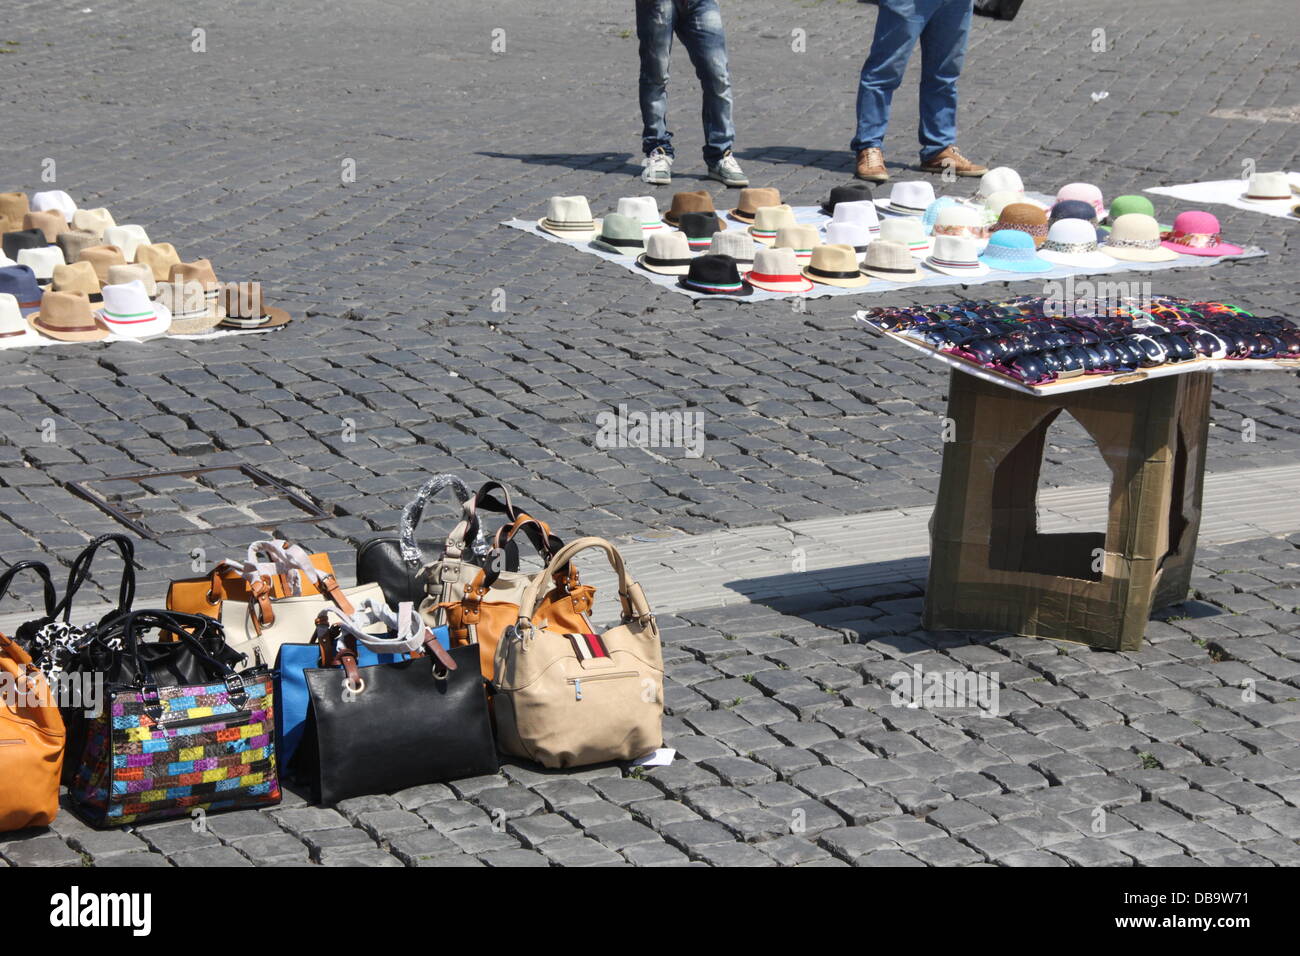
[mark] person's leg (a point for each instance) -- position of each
(654, 31)
(943, 49)
(898, 24)
(699, 25)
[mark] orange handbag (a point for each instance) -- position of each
(227, 582)
(31, 731)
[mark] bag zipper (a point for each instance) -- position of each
(162, 725)
(577, 681)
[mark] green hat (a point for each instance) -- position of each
(1122, 205)
(621, 235)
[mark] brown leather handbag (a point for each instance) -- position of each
(227, 581)
(31, 731)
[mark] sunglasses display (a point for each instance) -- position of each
(1032, 340)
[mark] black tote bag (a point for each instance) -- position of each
(407, 723)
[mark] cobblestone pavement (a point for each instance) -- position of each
(237, 153)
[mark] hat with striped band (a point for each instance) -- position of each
(15, 331)
(643, 209)
(199, 271)
(620, 234)
(698, 228)
(68, 317)
(129, 313)
(836, 266)
(55, 199)
(1073, 242)
(768, 220)
(245, 309)
(859, 213)
(734, 243)
(777, 270)
(20, 282)
(666, 253)
(802, 239)
(715, 275)
(891, 261)
(957, 256)
(909, 232)
(569, 217)
(848, 234)
(128, 238)
(908, 198)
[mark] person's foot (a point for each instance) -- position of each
(951, 158)
(871, 165)
(657, 168)
(728, 172)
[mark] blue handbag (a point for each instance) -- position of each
(292, 697)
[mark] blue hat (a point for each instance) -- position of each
(1076, 209)
(931, 213)
(20, 282)
(1013, 251)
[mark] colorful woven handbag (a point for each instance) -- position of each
(156, 752)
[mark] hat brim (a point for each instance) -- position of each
(980, 269)
(1222, 249)
(740, 216)
(156, 326)
(884, 206)
(1140, 255)
(800, 285)
(768, 241)
(604, 246)
(914, 276)
(745, 288)
(572, 235)
(27, 336)
(279, 318)
(857, 283)
(1265, 202)
(94, 335)
(197, 324)
(1086, 260)
(662, 270)
(1028, 268)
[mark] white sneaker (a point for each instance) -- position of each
(658, 168)
(728, 172)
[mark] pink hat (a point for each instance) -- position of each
(1085, 192)
(1197, 234)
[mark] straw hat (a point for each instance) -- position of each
(666, 253)
(848, 234)
(245, 309)
(621, 235)
(960, 221)
(644, 209)
(93, 220)
(777, 270)
(1026, 217)
(128, 312)
(859, 213)
(118, 275)
(1083, 192)
(909, 198)
(74, 241)
(891, 260)
(835, 266)
(57, 200)
(158, 258)
(128, 238)
(20, 282)
(1197, 234)
(753, 199)
(1136, 238)
(14, 329)
(802, 239)
(768, 221)
(909, 232)
(101, 257)
(1268, 188)
(999, 179)
(957, 256)
(1010, 250)
(68, 317)
(736, 244)
(13, 207)
(200, 273)
(50, 222)
(1073, 242)
(77, 277)
(700, 200)
(42, 261)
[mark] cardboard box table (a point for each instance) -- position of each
(990, 566)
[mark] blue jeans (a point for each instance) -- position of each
(698, 24)
(942, 26)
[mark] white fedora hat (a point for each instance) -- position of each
(909, 198)
(1268, 188)
(15, 331)
(777, 270)
(1073, 242)
(569, 217)
(999, 179)
(861, 212)
(127, 238)
(849, 234)
(54, 199)
(129, 313)
(909, 232)
(957, 256)
(644, 209)
(93, 221)
(42, 260)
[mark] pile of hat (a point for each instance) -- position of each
(74, 275)
(859, 237)
(1037, 340)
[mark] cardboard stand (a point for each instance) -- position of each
(991, 568)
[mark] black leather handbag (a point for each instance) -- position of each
(998, 9)
(393, 561)
(386, 727)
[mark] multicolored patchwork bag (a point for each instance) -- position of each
(159, 750)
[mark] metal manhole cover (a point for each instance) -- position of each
(162, 503)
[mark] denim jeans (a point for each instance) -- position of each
(942, 26)
(698, 24)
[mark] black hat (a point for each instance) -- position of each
(15, 242)
(699, 228)
(853, 192)
(715, 275)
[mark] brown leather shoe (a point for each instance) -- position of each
(871, 165)
(961, 166)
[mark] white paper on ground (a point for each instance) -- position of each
(1227, 192)
(657, 758)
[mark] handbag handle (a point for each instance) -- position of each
(465, 534)
(184, 627)
(81, 570)
(630, 596)
(414, 510)
(42, 572)
(293, 557)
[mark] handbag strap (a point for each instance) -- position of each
(42, 572)
(467, 535)
(413, 635)
(294, 558)
(186, 628)
(414, 510)
(81, 570)
(630, 596)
